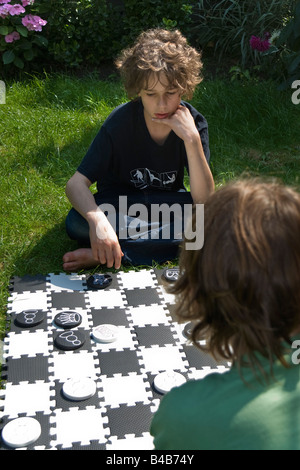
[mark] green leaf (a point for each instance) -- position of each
(295, 63)
(41, 41)
(29, 55)
(297, 10)
(25, 45)
(4, 30)
(8, 57)
(19, 62)
(285, 33)
(22, 30)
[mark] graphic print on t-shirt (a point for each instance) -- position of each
(143, 178)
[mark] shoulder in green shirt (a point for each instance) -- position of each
(222, 412)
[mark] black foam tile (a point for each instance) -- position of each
(148, 296)
(28, 369)
(198, 358)
(28, 283)
(150, 335)
(118, 362)
(129, 420)
(116, 316)
(68, 300)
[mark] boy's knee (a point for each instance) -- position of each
(77, 227)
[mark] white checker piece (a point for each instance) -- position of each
(27, 398)
(21, 432)
(128, 390)
(165, 381)
(105, 333)
(137, 279)
(27, 343)
(26, 301)
(106, 298)
(78, 426)
(125, 340)
(65, 282)
(79, 389)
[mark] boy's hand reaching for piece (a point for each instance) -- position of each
(104, 242)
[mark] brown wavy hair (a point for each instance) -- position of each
(160, 51)
(242, 289)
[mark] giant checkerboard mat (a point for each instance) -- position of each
(149, 342)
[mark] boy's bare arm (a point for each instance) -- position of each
(201, 179)
(104, 241)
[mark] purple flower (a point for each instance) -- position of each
(27, 2)
(15, 9)
(4, 12)
(33, 23)
(5, 1)
(260, 44)
(14, 36)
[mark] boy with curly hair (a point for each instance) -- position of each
(241, 293)
(141, 152)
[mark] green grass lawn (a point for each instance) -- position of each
(47, 125)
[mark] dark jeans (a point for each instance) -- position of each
(140, 245)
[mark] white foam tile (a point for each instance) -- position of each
(78, 426)
(73, 365)
(157, 359)
(127, 390)
(137, 279)
(27, 343)
(148, 315)
(27, 398)
(28, 300)
(110, 298)
(66, 282)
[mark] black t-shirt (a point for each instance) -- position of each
(123, 156)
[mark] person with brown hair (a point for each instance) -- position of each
(242, 293)
(141, 152)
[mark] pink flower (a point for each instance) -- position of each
(14, 36)
(25, 3)
(5, 1)
(33, 23)
(15, 9)
(4, 12)
(260, 44)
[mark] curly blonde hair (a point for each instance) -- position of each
(160, 51)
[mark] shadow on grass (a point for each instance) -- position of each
(46, 254)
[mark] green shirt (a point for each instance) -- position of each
(222, 412)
